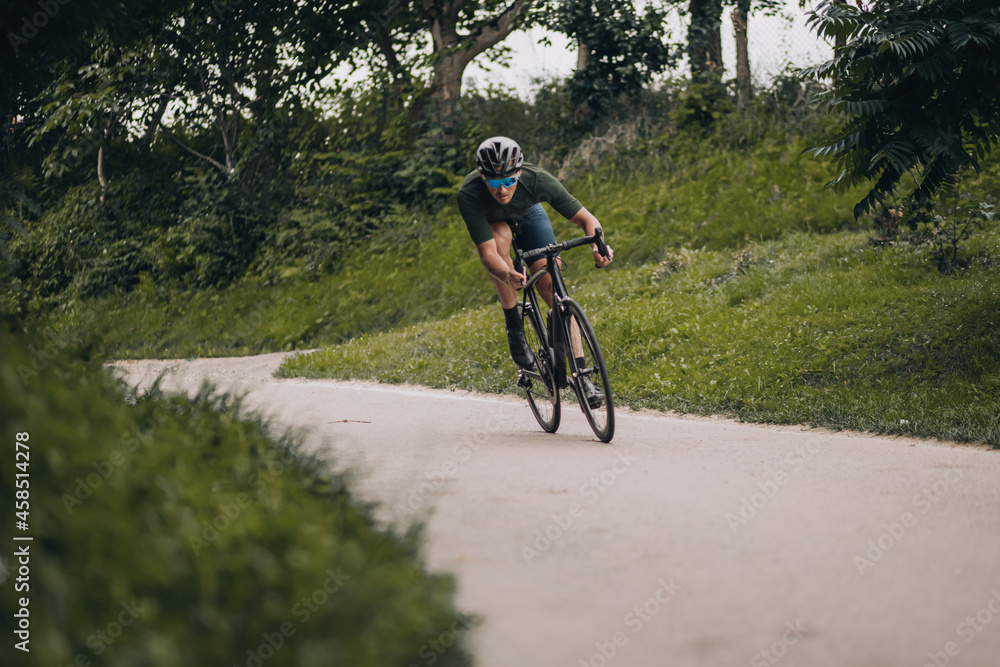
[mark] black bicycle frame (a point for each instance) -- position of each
(558, 334)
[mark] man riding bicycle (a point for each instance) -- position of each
(504, 193)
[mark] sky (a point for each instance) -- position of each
(774, 42)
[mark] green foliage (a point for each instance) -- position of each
(543, 127)
(214, 99)
(945, 228)
(625, 50)
(916, 80)
(15, 206)
(187, 521)
(88, 246)
(701, 104)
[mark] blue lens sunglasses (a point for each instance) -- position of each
(497, 183)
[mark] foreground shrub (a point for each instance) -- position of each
(172, 532)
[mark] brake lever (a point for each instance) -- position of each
(602, 247)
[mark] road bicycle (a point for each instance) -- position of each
(562, 342)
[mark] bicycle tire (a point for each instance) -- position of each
(601, 418)
(543, 397)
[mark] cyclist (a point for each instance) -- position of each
(504, 192)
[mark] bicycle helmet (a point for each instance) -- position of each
(498, 157)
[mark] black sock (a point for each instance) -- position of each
(581, 362)
(512, 319)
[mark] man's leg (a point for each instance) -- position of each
(519, 350)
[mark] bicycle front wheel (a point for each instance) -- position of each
(541, 391)
(600, 411)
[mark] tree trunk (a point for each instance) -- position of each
(102, 176)
(102, 165)
(582, 58)
(446, 86)
(582, 54)
(383, 39)
(744, 88)
(446, 90)
(705, 40)
(154, 122)
(456, 51)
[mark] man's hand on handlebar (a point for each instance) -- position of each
(600, 260)
(515, 279)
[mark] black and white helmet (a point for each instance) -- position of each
(499, 157)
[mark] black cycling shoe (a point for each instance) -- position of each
(519, 350)
(591, 393)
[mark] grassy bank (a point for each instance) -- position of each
(170, 532)
(816, 329)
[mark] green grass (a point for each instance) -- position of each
(210, 530)
(814, 329)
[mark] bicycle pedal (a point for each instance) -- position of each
(523, 382)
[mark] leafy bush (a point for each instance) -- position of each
(916, 82)
(87, 245)
(945, 228)
(209, 540)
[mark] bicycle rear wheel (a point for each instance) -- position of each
(540, 388)
(601, 415)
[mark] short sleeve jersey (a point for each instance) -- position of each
(479, 208)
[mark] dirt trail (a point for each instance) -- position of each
(684, 542)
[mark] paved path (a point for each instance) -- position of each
(684, 542)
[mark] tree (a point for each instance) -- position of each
(741, 17)
(486, 24)
(919, 82)
(620, 50)
(705, 40)
(210, 96)
(222, 67)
